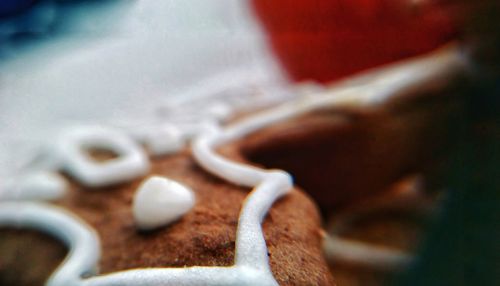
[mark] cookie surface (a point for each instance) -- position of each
(205, 236)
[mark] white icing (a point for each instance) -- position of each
(251, 266)
(45, 186)
(82, 241)
(162, 139)
(231, 90)
(339, 249)
(220, 111)
(161, 201)
(130, 163)
(187, 276)
(342, 250)
(377, 86)
(168, 138)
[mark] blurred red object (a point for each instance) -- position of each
(324, 40)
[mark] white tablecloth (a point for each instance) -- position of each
(120, 61)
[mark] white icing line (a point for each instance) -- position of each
(188, 276)
(338, 249)
(243, 82)
(269, 185)
(343, 250)
(250, 243)
(379, 85)
(130, 164)
(233, 172)
(84, 247)
(45, 186)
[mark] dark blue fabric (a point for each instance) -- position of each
(27, 24)
(9, 8)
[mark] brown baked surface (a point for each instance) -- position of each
(400, 227)
(340, 156)
(205, 236)
(27, 257)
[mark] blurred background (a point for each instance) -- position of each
(68, 61)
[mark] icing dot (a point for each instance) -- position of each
(164, 140)
(160, 201)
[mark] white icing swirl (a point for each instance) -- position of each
(130, 163)
(83, 243)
